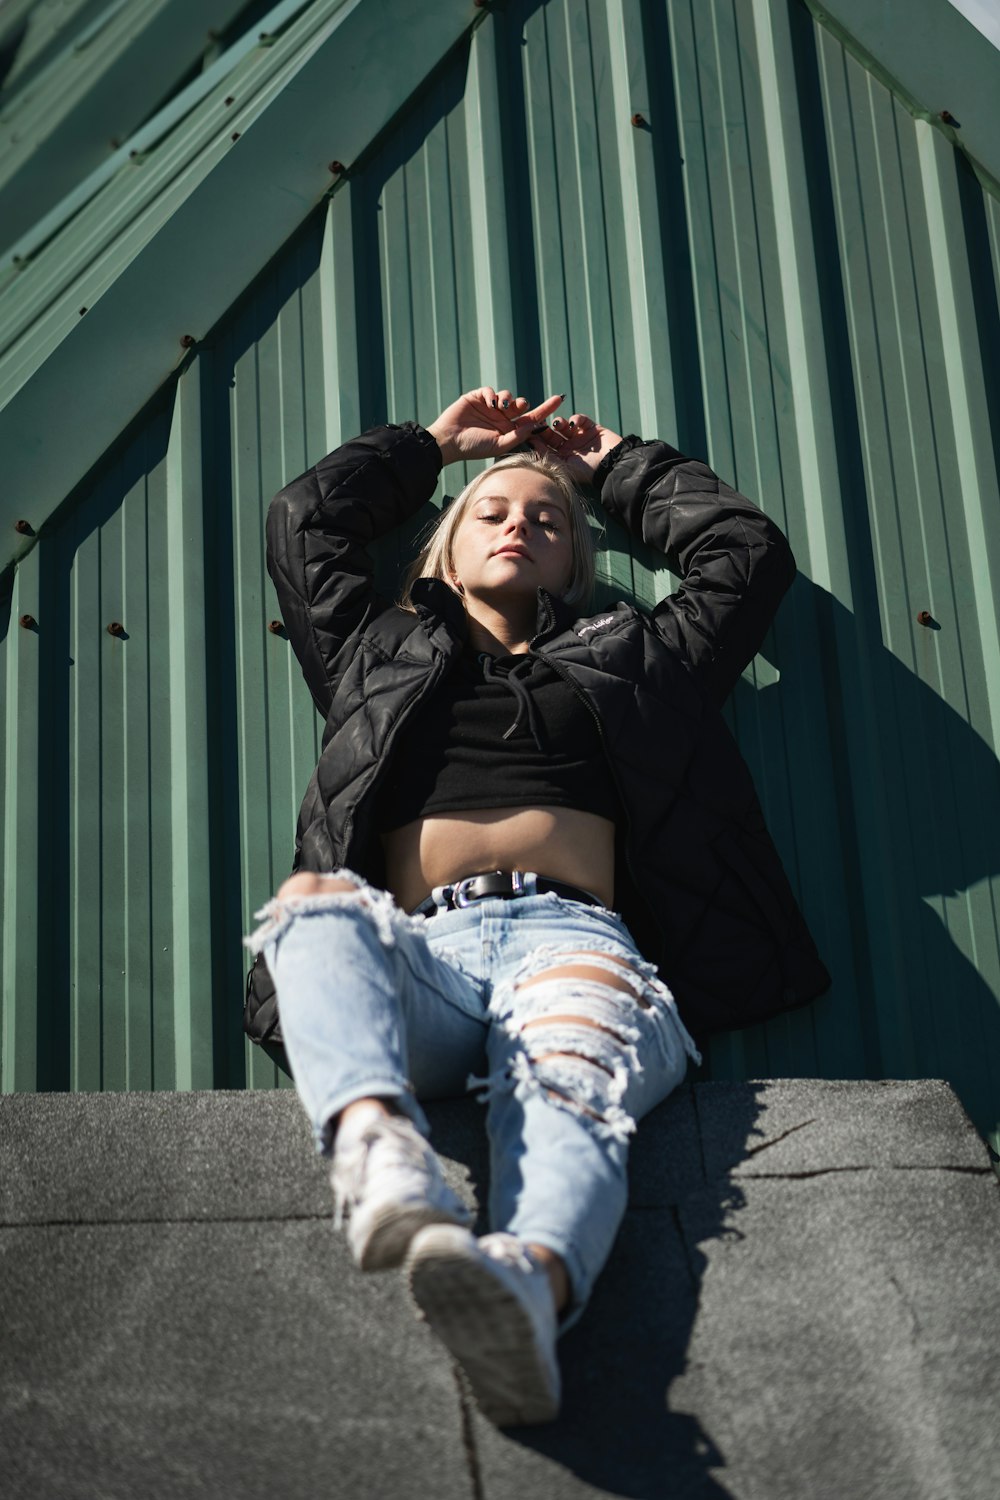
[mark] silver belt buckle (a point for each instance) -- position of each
(459, 892)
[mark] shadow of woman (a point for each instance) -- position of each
(885, 805)
(617, 1430)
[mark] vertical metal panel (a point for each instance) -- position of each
(109, 562)
(271, 423)
(565, 84)
(339, 322)
(84, 755)
(763, 413)
(106, 824)
(22, 793)
(187, 792)
(703, 220)
(928, 461)
(487, 205)
(642, 216)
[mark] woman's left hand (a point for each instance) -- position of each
(487, 424)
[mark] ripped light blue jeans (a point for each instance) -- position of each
(377, 1003)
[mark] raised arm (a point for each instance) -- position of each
(320, 527)
(734, 563)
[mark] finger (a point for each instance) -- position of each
(547, 407)
(523, 432)
(520, 405)
(487, 394)
(547, 441)
(505, 401)
(581, 431)
(541, 443)
(526, 421)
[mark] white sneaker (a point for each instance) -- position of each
(387, 1184)
(489, 1301)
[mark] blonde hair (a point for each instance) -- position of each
(435, 558)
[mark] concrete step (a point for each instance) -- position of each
(802, 1303)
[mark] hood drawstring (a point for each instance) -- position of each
(513, 678)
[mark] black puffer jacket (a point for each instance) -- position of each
(698, 879)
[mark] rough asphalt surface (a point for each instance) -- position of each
(802, 1303)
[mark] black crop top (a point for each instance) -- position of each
(503, 731)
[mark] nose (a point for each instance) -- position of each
(516, 523)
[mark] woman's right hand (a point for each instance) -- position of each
(488, 424)
(580, 442)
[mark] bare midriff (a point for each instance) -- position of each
(559, 843)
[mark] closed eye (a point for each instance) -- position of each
(548, 523)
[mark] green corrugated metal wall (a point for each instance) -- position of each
(776, 265)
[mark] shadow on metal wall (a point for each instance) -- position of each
(905, 880)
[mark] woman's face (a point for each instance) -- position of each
(514, 538)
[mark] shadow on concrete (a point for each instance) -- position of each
(801, 1302)
(618, 1430)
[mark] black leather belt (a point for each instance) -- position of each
(502, 885)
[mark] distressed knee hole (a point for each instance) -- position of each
(579, 1056)
(306, 894)
(585, 1077)
(580, 1064)
(593, 968)
(560, 1037)
(566, 1021)
(540, 1057)
(587, 1086)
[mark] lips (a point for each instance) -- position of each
(512, 551)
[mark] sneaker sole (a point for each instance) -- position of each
(389, 1231)
(487, 1330)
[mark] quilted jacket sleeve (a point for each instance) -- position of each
(318, 531)
(734, 563)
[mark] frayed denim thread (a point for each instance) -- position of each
(277, 914)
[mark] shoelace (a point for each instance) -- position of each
(350, 1167)
(510, 1251)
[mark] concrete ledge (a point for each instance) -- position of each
(801, 1303)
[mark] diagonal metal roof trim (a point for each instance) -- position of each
(41, 29)
(149, 135)
(107, 365)
(935, 61)
(96, 90)
(42, 294)
(116, 357)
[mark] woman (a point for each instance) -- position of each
(501, 776)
